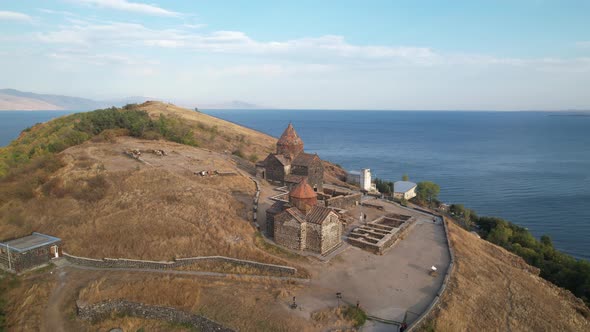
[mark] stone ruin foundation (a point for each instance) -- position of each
(380, 234)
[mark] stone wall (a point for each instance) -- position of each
(102, 310)
(122, 263)
(343, 202)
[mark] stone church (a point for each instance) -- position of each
(301, 224)
(290, 164)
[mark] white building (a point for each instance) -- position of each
(366, 179)
(362, 179)
(404, 189)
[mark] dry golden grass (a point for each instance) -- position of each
(244, 306)
(495, 290)
(133, 324)
(217, 134)
(333, 317)
(26, 301)
(105, 204)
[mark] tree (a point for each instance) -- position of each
(384, 186)
(405, 177)
(457, 209)
(500, 235)
(467, 217)
(546, 241)
(427, 191)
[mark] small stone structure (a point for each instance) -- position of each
(344, 201)
(380, 234)
(99, 311)
(25, 253)
(290, 163)
(178, 262)
(301, 224)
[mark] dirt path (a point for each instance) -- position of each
(52, 317)
(191, 273)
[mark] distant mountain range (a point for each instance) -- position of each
(15, 100)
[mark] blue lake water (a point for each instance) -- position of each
(13, 122)
(531, 168)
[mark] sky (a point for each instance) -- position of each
(398, 55)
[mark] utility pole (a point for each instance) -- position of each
(392, 190)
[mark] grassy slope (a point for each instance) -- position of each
(216, 134)
(493, 289)
(97, 210)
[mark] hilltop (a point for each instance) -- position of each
(85, 190)
(71, 177)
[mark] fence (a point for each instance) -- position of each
(123, 263)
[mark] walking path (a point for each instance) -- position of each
(183, 272)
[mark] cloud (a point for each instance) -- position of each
(14, 16)
(270, 69)
(92, 34)
(90, 58)
(195, 26)
(55, 12)
(326, 49)
(135, 7)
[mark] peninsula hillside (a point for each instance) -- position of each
(157, 182)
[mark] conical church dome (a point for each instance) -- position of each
(290, 144)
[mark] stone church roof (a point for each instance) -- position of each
(290, 137)
(292, 178)
(284, 161)
(302, 190)
(304, 159)
(318, 214)
(296, 214)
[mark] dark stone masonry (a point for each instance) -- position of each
(290, 164)
(99, 311)
(29, 252)
(345, 201)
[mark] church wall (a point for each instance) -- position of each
(314, 237)
(314, 173)
(331, 234)
(275, 171)
(289, 234)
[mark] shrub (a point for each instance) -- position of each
(152, 135)
(239, 153)
(253, 158)
(357, 315)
